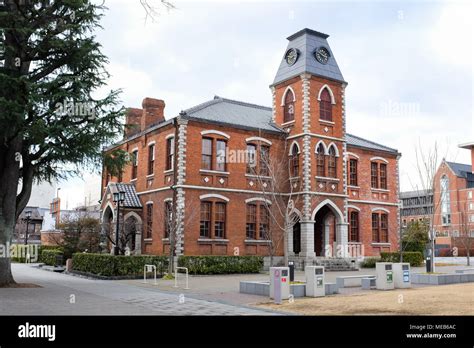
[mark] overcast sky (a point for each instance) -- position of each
(408, 64)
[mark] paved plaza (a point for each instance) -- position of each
(62, 294)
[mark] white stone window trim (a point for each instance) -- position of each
(335, 148)
(263, 140)
(283, 97)
(257, 199)
(380, 190)
(215, 132)
(169, 199)
(353, 187)
(380, 209)
(150, 175)
(214, 195)
(210, 171)
(350, 206)
(288, 123)
(333, 100)
(294, 143)
(169, 136)
(266, 241)
(168, 171)
(380, 159)
(257, 176)
(327, 178)
(151, 143)
(332, 123)
(351, 154)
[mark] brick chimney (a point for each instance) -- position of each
(153, 112)
(133, 121)
(469, 146)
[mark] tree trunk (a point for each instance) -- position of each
(9, 176)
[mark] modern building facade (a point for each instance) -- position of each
(416, 206)
(344, 188)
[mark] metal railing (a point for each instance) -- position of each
(176, 277)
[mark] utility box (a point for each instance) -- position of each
(384, 276)
(315, 281)
(279, 283)
(401, 275)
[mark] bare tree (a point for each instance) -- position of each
(427, 163)
(466, 237)
(127, 234)
(174, 219)
(153, 8)
(273, 176)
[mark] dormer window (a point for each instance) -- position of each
(289, 107)
(325, 106)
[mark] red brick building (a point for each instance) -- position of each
(347, 187)
(454, 201)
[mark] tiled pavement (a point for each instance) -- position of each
(62, 294)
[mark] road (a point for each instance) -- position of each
(61, 294)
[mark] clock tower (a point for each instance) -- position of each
(308, 101)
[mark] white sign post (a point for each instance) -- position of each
(147, 269)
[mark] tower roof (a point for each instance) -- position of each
(307, 41)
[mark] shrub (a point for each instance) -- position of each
(414, 258)
(110, 265)
(369, 262)
(48, 257)
(221, 264)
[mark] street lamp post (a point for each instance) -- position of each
(28, 217)
(119, 197)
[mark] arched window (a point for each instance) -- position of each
(325, 106)
(445, 201)
(320, 161)
(294, 161)
(289, 107)
(332, 170)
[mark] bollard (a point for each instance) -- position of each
(291, 265)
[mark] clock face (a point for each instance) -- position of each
(291, 56)
(322, 55)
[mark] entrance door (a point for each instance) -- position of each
(296, 238)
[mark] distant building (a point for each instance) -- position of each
(29, 232)
(416, 206)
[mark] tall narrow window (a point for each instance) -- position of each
(295, 162)
(264, 223)
(320, 161)
(219, 220)
(353, 172)
(354, 226)
(168, 218)
(325, 106)
(205, 223)
(384, 228)
(264, 160)
(149, 220)
(151, 159)
(206, 159)
(332, 163)
(383, 176)
(134, 164)
(375, 227)
(221, 155)
(374, 175)
(169, 153)
(289, 107)
(445, 201)
(251, 160)
(251, 221)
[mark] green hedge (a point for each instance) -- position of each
(369, 262)
(48, 256)
(39, 250)
(111, 266)
(415, 258)
(221, 264)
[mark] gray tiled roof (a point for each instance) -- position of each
(416, 193)
(235, 113)
(131, 197)
(306, 41)
(460, 169)
(353, 140)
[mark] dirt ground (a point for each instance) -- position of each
(457, 299)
